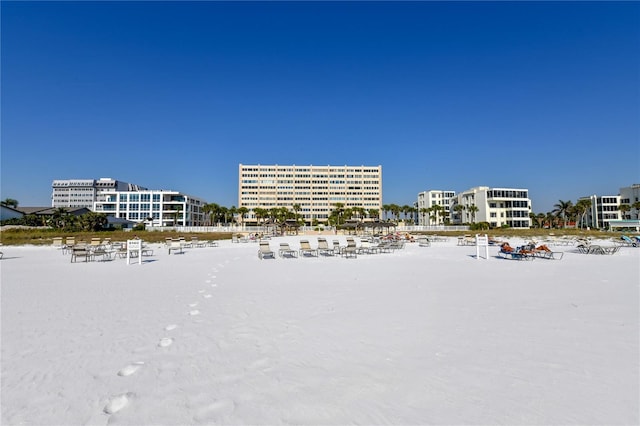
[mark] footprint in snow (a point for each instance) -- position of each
(130, 369)
(171, 327)
(194, 312)
(207, 296)
(193, 305)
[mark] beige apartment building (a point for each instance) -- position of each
(316, 189)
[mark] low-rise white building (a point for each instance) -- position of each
(603, 209)
(154, 207)
(630, 196)
(428, 213)
(497, 206)
(72, 193)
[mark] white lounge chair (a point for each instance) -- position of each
(264, 250)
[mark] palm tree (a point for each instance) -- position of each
(582, 207)
(624, 208)
(374, 213)
(437, 209)
(423, 211)
(473, 209)
(562, 209)
(242, 211)
(636, 207)
(386, 208)
(296, 208)
(405, 211)
(260, 213)
(395, 209)
(458, 208)
(232, 212)
(59, 218)
(10, 202)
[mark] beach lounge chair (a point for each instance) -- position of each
(286, 251)
(627, 242)
(80, 252)
(467, 240)
(57, 243)
(175, 245)
(351, 249)
(519, 253)
(336, 246)
(543, 252)
(323, 247)
(307, 250)
(424, 242)
(103, 252)
(264, 251)
(588, 248)
(367, 248)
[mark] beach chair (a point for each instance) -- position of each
(307, 250)
(424, 242)
(175, 246)
(543, 252)
(351, 249)
(80, 252)
(103, 252)
(367, 248)
(467, 240)
(336, 246)
(264, 251)
(518, 253)
(57, 243)
(323, 247)
(287, 252)
(627, 242)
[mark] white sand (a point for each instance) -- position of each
(426, 335)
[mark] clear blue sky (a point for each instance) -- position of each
(539, 95)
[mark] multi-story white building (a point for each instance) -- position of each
(630, 196)
(497, 206)
(427, 200)
(603, 209)
(315, 189)
(73, 193)
(154, 207)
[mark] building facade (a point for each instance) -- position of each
(314, 189)
(496, 206)
(153, 207)
(428, 213)
(630, 196)
(72, 193)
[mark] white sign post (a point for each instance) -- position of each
(134, 249)
(482, 241)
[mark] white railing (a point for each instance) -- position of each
(303, 229)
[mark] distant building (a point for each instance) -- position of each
(497, 206)
(630, 196)
(72, 193)
(427, 200)
(603, 208)
(154, 207)
(315, 189)
(7, 212)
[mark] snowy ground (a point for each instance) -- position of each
(425, 335)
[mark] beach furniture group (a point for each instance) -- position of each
(323, 247)
(105, 250)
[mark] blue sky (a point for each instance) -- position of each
(451, 95)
